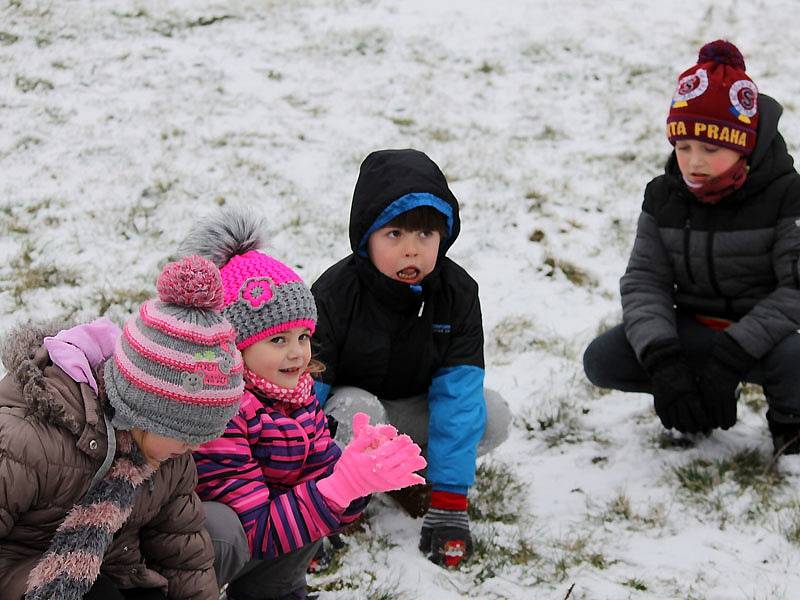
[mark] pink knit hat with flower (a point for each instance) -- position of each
(263, 296)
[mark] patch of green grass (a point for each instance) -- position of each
(619, 509)
(636, 584)
(122, 299)
(791, 530)
(403, 121)
(575, 551)
(516, 334)
(753, 397)
(549, 133)
(131, 14)
(441, 135)
(6, 38)
(175, 132)
(497, 495)
(158, 188)
(535, 199)
(168, 28)
(487, 68)
(368, 583)
(666, 439)
(749, 470)
(536, 236)
(28, 275)
(697, 476)
(571, 271)
(32, 84)
(491, 558)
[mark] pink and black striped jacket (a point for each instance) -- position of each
(265, 467)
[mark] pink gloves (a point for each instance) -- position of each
(376, 460)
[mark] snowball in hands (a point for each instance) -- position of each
(376, 460)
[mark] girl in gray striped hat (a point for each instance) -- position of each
(96, 478)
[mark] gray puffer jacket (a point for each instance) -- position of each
(52, 442)
(737, 259)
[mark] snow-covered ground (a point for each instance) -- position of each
(122, 121)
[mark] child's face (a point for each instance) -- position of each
(158, 449)
(282, 358)
(407, 256)
(699, 161)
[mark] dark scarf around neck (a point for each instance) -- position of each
(715, 189)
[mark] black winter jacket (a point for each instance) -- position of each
(383, 336)
(737, 259)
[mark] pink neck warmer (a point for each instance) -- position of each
(297, 396)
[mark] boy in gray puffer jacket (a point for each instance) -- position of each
(711, 295)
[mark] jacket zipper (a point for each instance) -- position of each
(712, 274)
(687, 232)
(796, 271)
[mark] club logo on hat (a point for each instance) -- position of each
(743, 95)
(691, 86)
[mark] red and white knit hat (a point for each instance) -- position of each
(716, 102)
(176, 371)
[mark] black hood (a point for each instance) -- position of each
(770, 158)
(390, 175)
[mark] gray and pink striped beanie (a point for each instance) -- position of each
(263, 296)
(176, 370)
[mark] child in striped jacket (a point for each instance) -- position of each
(275, 483)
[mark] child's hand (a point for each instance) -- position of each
(445, 537)
(377, 460)
(372, 436)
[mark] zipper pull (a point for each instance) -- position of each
(421, 308)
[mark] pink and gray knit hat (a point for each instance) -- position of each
(176, 371)
(263, 296)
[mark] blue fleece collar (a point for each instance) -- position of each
(404, 204)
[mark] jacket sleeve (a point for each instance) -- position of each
(274, 523)
(19, 483)
(457, 405)
(322, 458)
(777, 315)
(647, 287)
(325, 347)
(177, 545)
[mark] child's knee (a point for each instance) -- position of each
(345, 402)
(498, 422)
(231, 550)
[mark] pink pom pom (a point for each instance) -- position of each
(192, 281)
(722, 52)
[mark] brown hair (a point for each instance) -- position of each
(422, 218)
(315, 367)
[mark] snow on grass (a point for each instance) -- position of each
(122, 122)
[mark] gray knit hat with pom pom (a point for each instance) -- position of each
(176, 371)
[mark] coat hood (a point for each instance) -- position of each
(391, 182)
(26, 360)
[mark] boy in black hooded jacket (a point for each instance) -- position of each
(400, 323)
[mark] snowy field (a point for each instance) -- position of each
(123, 121)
